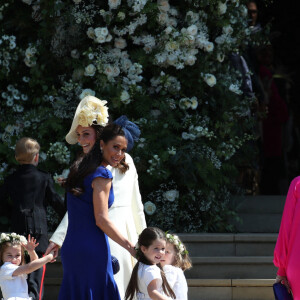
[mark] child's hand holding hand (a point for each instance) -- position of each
(31, 244)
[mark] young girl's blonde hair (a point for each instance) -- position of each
(9, 240)
(181, 258)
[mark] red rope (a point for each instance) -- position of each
(42, 282)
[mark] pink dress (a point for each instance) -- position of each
(287, 249)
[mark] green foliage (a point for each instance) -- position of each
(164, 64)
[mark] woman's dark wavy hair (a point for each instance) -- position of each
(146, 239)
(88, 163)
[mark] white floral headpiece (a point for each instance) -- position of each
(13, 238)
(89, 111)
(174, 239)
(93, 112)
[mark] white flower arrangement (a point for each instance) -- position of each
(12, 238)
(171, 195)
(60, 152)
(149, 208)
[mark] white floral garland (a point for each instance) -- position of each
(13, 238)
(174, 240)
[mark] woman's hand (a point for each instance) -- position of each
(283, 280)
(52, 248)
(132, 250)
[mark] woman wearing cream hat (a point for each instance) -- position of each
(127, 210)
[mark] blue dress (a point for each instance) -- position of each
(85, 254)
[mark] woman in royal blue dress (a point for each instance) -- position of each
(85, 254)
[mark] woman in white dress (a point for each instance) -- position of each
(126, 213)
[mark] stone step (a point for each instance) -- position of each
(203, 289)
(258, 214)
(230, 289)
(225, 244)
(259, 204)
(226, 267)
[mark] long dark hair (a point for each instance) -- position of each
(146, 239)
(88, 163)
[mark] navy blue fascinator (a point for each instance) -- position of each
(131, 130)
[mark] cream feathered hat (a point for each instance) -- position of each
(90, 110)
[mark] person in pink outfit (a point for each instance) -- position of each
(287, 249)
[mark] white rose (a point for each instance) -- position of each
(163, 5)
(171, 195)
(100, 39)
(192, 30)
(125, 97)
(90, 70)
(86, 92)
(227, 30)
(194, 103)
(104, 31)
(98, 31)
(168, 30)
(185, 135)
(163, 18)
(75, 54)
(30, 52)
(120, 43)
(191, 59)
(91, 33)
(222, 7)
(209, 46)
(108, 38)
(210, 79)
(116, 71)
(171, 46)
(108, 71)
(113, 4)
(13, 234)
(149, 208)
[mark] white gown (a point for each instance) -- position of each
(13, 287)
(177, 281)
(127, 213)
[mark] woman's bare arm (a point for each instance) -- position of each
(101, 188)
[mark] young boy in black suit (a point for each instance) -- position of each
(30, 191)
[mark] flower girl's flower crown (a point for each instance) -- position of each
(12, 238)
(174, 239)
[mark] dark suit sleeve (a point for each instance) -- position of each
(54, 199)
(4, 191)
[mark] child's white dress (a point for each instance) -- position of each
(147, 273)
(177, 281)
(13, 287)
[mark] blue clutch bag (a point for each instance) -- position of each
(281, 292)
(115, 264)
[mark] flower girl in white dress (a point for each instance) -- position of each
(175, 261)
(148, 280)
(13, 271)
